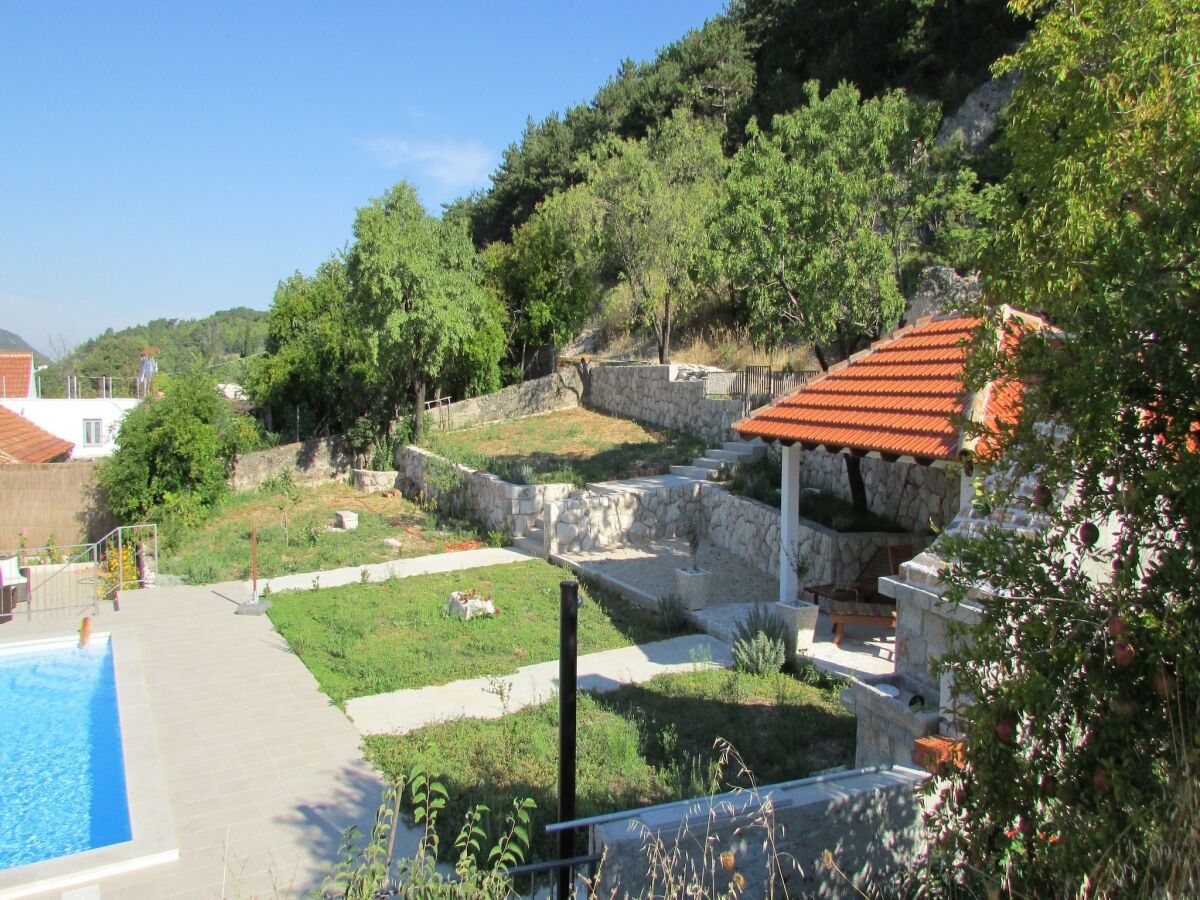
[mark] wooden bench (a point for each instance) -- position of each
(860, 602)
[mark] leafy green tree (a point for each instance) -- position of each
(316, 360)
(656, 197)
(1083, 740)
(174, 454)
(417, 293)
(822, 212)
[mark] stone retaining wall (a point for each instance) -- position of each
(601, 520)
(371, 481)
(562, 389)
(481, 495)
(671, 396)
(908, 494)
(312, 463)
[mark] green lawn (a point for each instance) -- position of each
(370, 638)
(574, 446)
(638, 745)
(219, 550)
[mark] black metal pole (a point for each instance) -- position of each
(568, 671)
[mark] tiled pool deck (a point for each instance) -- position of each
(262, 773)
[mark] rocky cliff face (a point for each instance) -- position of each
(942, 290)
(975, 122)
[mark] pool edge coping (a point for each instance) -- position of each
(152, 826)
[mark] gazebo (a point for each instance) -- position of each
(902, 400)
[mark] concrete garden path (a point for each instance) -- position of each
(398, 712)
(433, 564)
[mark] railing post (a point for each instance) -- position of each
(568, 670)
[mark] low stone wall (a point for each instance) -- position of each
(312, 463)
(601, 520)
(371, 481)
(870, 821)
(908, 494)
(671, 396)
(481, 495)
(59, 500)
(562, 389)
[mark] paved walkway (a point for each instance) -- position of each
(435, 563)
(262, 772)
(401, 711)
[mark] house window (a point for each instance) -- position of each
(93, 434)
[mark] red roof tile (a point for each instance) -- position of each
(901, 397)
(16, 368)
(23, 441)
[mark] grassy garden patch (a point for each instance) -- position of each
(219, 550)
(638, 745)
(573, 446)
(371, 638)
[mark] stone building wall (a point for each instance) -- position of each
(910, 495)
(480, 495)
(671, 396)
(562, 389)
(312, 463)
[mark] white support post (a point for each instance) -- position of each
(789, 502)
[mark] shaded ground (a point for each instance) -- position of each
(638, 745)
(372, 638)
(220, 549)
(574, 446)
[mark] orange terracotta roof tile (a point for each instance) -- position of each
(901, 397)
(16, 368)
(22, 441)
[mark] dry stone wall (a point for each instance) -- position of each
(312, 463)
(562, 389)
(671, 396)
(481, 495)
(910, 495)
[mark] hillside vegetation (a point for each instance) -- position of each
(220, 342)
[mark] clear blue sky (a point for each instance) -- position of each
(163, 159)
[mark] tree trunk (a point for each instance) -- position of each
(419, 412)
(858, 491)
(664, 339)
(820, 355)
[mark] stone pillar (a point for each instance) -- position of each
(789, 531)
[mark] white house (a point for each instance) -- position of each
(90, 424)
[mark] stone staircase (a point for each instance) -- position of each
(717, 463)
(534, 540)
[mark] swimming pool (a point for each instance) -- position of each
(62, 773)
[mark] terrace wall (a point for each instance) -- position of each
(312, 463)
(601, 520)
(480, 495)
(870, 821)
(671, 396)
(562, 389)
(910, 495)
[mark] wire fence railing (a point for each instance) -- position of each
(755, 386)
(67, 579)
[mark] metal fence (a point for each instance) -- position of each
(74, 578)
(754, 385)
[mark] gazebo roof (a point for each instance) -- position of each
(902, 397)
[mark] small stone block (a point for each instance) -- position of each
(346, 520)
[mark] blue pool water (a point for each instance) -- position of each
(62, 773)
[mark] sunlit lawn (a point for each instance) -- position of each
(220, 549)
(638, 745)
(574, 446)
(371, 638)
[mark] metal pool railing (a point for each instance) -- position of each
(76, 578)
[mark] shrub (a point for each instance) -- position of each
(672, 618)
(762, 619)
(759, 655)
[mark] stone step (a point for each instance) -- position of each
(532, 544)
(703, 462)
(756, 447)
(696, 473)
(733, 456)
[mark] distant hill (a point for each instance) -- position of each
(220, 342)
(10, 341)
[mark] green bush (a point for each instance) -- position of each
(759, 655)
(672, 618)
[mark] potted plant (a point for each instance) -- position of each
(799, 615)
(691, 582)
